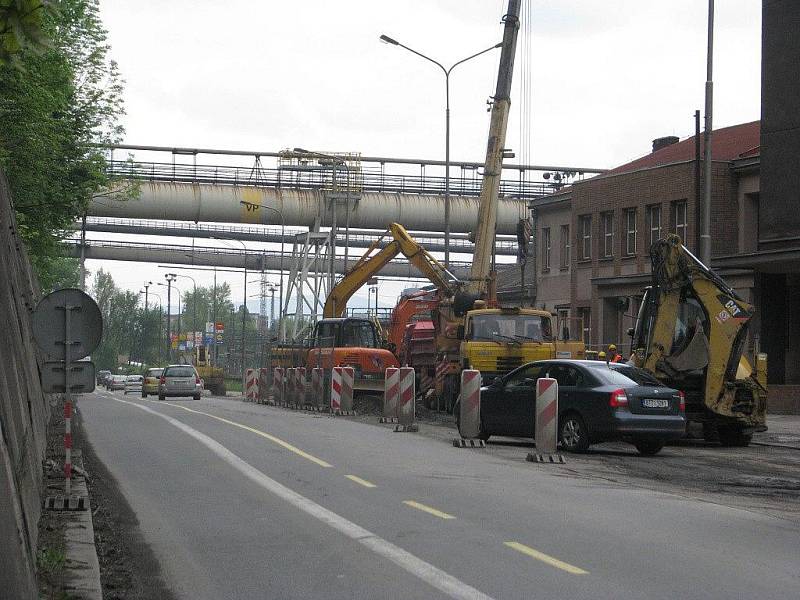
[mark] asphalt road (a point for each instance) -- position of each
(248, 501)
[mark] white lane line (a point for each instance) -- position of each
(442, 581)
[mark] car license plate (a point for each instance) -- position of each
(655, 403)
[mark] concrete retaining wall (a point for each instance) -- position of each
(23, 413)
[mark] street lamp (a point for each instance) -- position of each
(170, 277)
(386, 39)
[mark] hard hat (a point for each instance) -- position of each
(601, 354)
(612, 347)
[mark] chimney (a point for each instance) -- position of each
(663, 142)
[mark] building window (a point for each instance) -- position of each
(630, 231)
(608, 234)
(545, 249)
(585, 236)
(566, 246)
(654, 222)
(679, 222)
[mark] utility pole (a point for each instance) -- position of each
(705, 250)
(214, 318)
(170, 278)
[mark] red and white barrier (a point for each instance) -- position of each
(290, 393)
(469, 422)
(263, 385)
(300, 386)
(391, 392)
(67, 446)
(405, 405)
(425, 382)
(251, 385)
(546, 416)
(277, 385)
(317, 386)
(342, 380)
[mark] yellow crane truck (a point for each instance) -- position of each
(690, 334)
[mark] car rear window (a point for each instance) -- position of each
(179, 372)
(611, 376)
(640, 376)
(154, 372)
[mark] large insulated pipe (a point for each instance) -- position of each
(239, 204)
(220, 257)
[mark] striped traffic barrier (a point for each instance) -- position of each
(336, 390)
(391, 393)
(342, 379)
(300, 386)
(425, 382)
(546, 426)
(263, 385)
(277, 386)
(251, 385)
(317, 389)
(469, 416)
(405, 403)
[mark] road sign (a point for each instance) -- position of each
(81, 377)
(85, 324)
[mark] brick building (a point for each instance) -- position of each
(592, 238)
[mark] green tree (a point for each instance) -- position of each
(20, 27)
(57, 101)
(122, 322)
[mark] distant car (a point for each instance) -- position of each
(180, 380)
(133, 383)
(102, 377)
(150, 384)
(117, 382)
(597, 402)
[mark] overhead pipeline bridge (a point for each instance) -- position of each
(357, 238)
(252, 260)
(297, 190)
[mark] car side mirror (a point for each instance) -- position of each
(630, 331)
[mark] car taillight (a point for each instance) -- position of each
(162, 379)
(618, 399)
(682, 405)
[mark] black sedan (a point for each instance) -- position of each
(597, 402)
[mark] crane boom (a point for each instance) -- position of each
(493, 167)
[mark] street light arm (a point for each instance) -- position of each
(428, 58)
(463, 60)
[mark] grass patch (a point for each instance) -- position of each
(233, 384)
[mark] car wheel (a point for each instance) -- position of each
(732, 436)
(161, 397)
(648, 447)
(196, 396)
(573, 434)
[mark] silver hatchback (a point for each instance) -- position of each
(180, 380)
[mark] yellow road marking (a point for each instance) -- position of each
(360, 481)
(546, 558)
(263, 434)
(428, 509)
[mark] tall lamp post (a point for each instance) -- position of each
(386, 39)
(170, 277)
(160, 322)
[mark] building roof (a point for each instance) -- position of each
(727, 143)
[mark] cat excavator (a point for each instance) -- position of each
(690, 334)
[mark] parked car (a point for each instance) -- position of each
(117, 382)
(102, 377)
(180, 380)
(597, 402)
(150, 385)
(133, 383)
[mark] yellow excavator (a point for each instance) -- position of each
(690, 333)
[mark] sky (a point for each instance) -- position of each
(603, 78)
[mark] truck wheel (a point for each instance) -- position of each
(732, 436)
(648, 447)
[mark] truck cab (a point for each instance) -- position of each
(351, 342)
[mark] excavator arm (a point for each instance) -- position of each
(370, 264)
(691, 333)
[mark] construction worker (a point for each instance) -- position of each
(601, 355)
(614, 356)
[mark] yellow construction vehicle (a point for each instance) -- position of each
(213, 377)
(690, 333)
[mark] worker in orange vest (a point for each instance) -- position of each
(613, 355)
